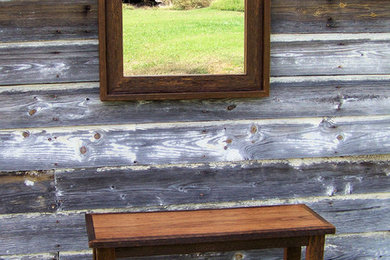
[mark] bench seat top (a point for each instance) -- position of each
(206, 225)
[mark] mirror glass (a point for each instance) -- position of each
(182, 37)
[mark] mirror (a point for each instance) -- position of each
(181, 37)
(227, 56)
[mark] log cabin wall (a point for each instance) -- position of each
(321, 138)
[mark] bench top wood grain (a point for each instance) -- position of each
(209, 225)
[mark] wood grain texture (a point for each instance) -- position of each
(330, 16)
(60, 61)
(201, 226)
(49, 20)
(92, 188)
(33, 20)
(104, 254)
(71, 61)
(27, 192)
(66, 232)
(120, 188)
(192, 143)
(329, 58)
(69, 106)
(315, 249)
(42, 233)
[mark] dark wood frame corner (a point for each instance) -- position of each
(253, 83)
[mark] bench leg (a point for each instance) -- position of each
(292, 253)
(315, 249)
(104, 253)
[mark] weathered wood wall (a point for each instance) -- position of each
(321, 138)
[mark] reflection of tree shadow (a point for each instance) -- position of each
(141, 3)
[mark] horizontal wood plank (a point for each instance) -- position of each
(58, 61)
(128, 188)
(70, 61)
(65, 105)
(66, 232)
(202, 226)
(342, 57)
(79, 189)
(42, 233)
(197, 142)
(317, 16)
(27, 192)
(26, 20)
(69, 19)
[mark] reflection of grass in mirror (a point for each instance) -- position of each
(200, 41)
(230, 5)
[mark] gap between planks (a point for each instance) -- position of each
(293, 162)
(167, 125)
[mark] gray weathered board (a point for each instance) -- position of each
(78, 189)
(70, 19)
(79, 104)
(195, 142)
(27, 192)
(65, 61)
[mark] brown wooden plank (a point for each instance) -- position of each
(79, 104)
(67, 61)
(292, 253)
(104, 254)
(27, 192)
(315, 249)
(192, 143)
(172, 227)
(66, 231)
(156, 186)
(51, 20)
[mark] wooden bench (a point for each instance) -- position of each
(177, 232)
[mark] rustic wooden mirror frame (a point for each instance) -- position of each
(253, 83)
